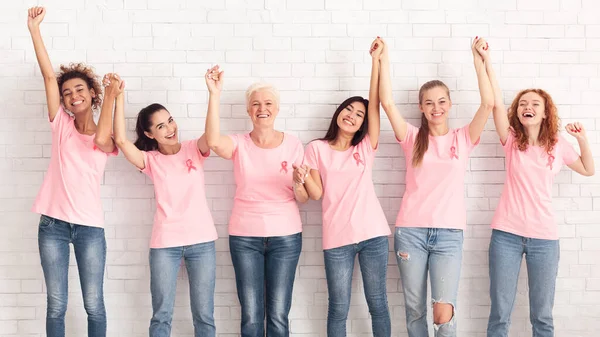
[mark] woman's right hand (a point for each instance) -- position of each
(214, 79)
(35, 16)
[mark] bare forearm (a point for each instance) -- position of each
(586, 156)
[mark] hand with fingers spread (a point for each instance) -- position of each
(35, 16)
(576, 130)
(480, 47)
(114, 85)
(300, 173)
(214, 79)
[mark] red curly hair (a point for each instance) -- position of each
(548, 135)
(85, 73)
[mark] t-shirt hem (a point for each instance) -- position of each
(368, 237)
(503, 228)
(65, 219)
(462, 227)
(264, 235)
(179, 244)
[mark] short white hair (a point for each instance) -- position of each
(261, 86)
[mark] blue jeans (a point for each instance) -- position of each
(339, 266)
(506, 253)
(200, 262)
(89, 243)
(265, 264)
(439, 251)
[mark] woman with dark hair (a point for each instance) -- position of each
(338, 167)
(433, 216)
(69, 198)
(183, 225)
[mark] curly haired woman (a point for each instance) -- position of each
(69, 199)
(524, 222)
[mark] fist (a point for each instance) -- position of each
(35, 15)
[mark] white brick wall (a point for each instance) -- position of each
(315, 51)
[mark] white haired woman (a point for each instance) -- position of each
(265, 230)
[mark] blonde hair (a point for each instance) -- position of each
(422, 140)
(261, 86)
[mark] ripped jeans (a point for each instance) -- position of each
(439, 251)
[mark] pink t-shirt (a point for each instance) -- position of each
(525, 207)
(182, 215)
(264, 203)
(434, 195)
(351, 210)
(71, 188)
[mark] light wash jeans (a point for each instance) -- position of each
(439, 252)
(506, 253)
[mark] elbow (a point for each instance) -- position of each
(101, 140)
(487, 104)
(120, 141)
(213, 143)
(387, 104)
(590, 173)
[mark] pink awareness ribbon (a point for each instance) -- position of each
(356, 156)
(550, 161)
(283, 167)
(453, 154)
(190, 165)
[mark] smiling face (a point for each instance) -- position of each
(531, 110)
(435, 105)
(263, 108)
(77, 96)
(163, 129)
(351, 118)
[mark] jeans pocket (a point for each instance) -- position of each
(46, 222)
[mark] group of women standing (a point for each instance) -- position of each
(273, 172)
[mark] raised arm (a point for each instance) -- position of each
(373, 108)
(103, 138)
(131, 152)
(221, 145)
(35, 16)
(584, 165)
(480, 58)
(385, 95)
(500, 114)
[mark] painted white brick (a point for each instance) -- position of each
(315, 53)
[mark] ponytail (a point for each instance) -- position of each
(421, 143)
(143, 125)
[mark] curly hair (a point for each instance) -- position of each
(85, 73)
(548, 136)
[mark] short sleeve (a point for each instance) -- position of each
(236, 142)
(466, 137)
(298, 152)
(567, 151)
(114, 152)
(368, 148)
(310, 156)
(60, 118)
(510, 141)
(411, 135)
(147, 164)
(193, 146)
